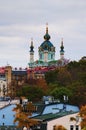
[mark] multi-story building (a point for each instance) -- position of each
(11, 79)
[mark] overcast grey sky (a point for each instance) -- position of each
(21, 20)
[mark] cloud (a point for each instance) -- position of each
(20, 20)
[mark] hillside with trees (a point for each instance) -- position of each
(69, 80)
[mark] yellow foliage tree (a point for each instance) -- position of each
(23, 115)
(83, 116)
(59, 127)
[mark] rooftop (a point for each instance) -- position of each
(44, 112)
(54, 110)
(50, 116)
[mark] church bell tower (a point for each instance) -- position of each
(31, 52)
(62, 50)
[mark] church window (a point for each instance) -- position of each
(40, 56)
(51, 56)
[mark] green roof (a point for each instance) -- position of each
(51, 116)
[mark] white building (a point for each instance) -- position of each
(56, 114)
(65, 122)
(3, 87)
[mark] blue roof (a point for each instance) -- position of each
(55, 108)
(52, 111)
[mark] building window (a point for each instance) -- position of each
(40, 56)
(51, 56)
(71, 127)
(3, 124)
(3, 116)
(54, 127)
(77, 127)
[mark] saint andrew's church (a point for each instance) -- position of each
(36, 69)
(46, 53)
(46, 61)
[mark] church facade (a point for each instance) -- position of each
(46, 52)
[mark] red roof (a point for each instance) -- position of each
(2, 70)
(40, 69)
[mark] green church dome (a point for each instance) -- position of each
(46, 45)
(46, 36)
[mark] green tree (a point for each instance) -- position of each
(51, 76)
(78, 91)
(59, 93)
(82, 77)
(77, 68)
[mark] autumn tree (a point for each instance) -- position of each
(83, 116)
(41, 83)
(23, 115)
(64, 76)
(33, 93)
(59, 127)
